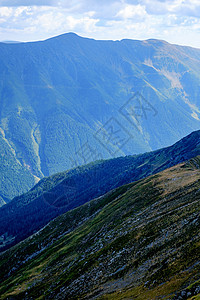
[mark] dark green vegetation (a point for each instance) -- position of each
(59, 193)
(55, 95)
(14, 178)
(139, 241)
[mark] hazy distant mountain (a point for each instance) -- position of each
(10, 42)
(59, 193)
(70, 100)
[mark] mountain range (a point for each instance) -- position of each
(99, 170)
(68, 100)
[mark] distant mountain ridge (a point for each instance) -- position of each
(11, 42)
(63, 98)
(61, 192)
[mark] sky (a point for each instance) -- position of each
(176, 21)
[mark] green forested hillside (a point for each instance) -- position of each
(69, 100)
(15, 178)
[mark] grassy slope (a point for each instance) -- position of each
(139, 241)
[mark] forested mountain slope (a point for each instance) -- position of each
(62, 192)
(70, 100)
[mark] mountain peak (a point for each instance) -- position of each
(67, 35)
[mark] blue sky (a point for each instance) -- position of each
(176, 21)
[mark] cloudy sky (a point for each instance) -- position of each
(177, 21)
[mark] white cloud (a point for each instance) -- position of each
(44, 20)
(6, 11)
(132, 11)
(178, 7)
